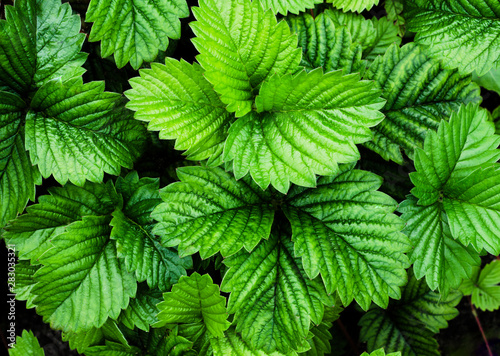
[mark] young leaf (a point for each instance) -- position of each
(306, 124)
(178, 101)
(77, 131)
(209, 211)
(17, 175)
(380, 352)
(408, 325)
(135, 30)
(194, 299)
(233, 344)
(456, 150)
(353, 5)
(32, 232)
(419, 93)
(292, 6)
(344, 230)
(274, 301)
(326, 46)
(26, 345)
(40, 41)
(461, 33)
(82, 283)
(436, 255)
(240, 46)
(484, 287)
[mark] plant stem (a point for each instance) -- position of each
(474, 312)
(348, 337)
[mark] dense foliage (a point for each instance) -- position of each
(275, 208)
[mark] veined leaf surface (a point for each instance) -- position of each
(292, 6)
(353, 5)
(26, 345)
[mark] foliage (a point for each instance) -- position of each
(290, 201)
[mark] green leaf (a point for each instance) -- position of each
(292, 6)
(181, 104)
(142, 310)
(419, 93)
(233, 344)
(353, 5)
(456, 150)
(23, 282)
(77, 131)
(326, 46)
(394, 8)
(131, 228)
(320, 343)
(209, 211)
(135, 30)
(26, 345)
(32, 232)
(274, 301)
(345, 230)
(436, 255)
(113, 349)
(484, 287)
(199, 335)
(17, 175)
(82, 282)
(461, 33)
(380, 352)
(40, 41)
(408, 325)
(81, 341)
(240, 46)
(194, 299)
(306, 125)
(374, 35)
(490, 80)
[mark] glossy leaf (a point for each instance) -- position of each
(240, 46)
(194, 299)
(345, 230)
(209, 211)
(461, 33)
(135, 30)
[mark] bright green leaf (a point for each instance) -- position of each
(490, 80)
(23, 282)
(353, 5)
(484, 287)
(240, 46)
(26, 345)
(209, 211)
(77, 131)
(461, 33)
(40, 40)
(193, 299)
(306, 124)
(135, 30)
(181, 104)
(274, 301)
(82, 282)
(419, 93)
(345, 230)
(380, 352)
(292, 6)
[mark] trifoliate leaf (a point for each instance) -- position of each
(380, 352)
(82, 282)
(457, 149)
(306, 124)
(353, 5)
(461, 33)
(484, 287)
(194, 299)
(233, 344)
(240, 46)
(209, 211)
(325, 46)
(374, 35)
(345, 230)
(408, 325)
(142, 310)
(23, 282)
(132, 225)
(32, 232)
(292, 6)
(178, 101)
(40, 40)
(436, 255)
(135, 30)
(26, 345)
(274, 301)
(76, 132)
(419, 93)
(17, 175)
